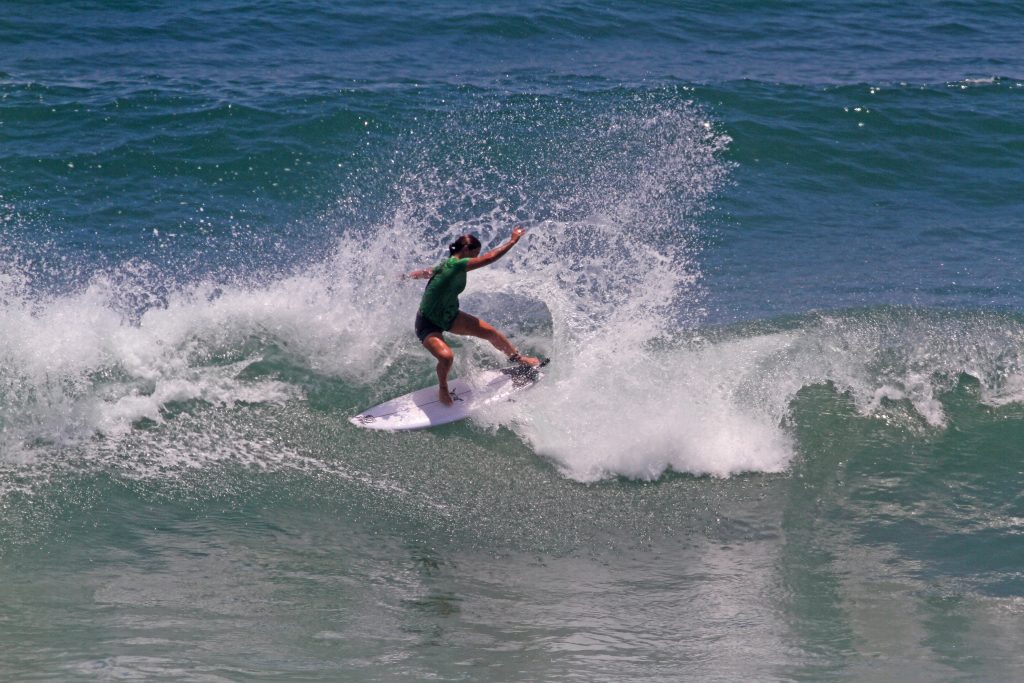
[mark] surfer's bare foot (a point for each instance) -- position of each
(524, 360)
(445, 397)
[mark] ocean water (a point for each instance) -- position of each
(774, 252)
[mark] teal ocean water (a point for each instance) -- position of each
(774, 251)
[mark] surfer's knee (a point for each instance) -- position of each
(444, 356)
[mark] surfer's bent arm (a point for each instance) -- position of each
(495, 254)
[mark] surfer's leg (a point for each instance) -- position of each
(474, 327)
(443, 353)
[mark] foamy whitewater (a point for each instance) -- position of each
(612, 295)
(98, 360)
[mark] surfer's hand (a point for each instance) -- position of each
(517, 232)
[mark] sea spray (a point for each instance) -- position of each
(607, 282)
(620, 278)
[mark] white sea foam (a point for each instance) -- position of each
(611, 293)
(620, 407)
(637, 416)
(624, 396)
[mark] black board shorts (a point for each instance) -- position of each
(425, 326)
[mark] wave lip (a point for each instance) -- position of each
(639, 419)
(724, 404)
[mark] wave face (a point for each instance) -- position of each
(133, 341)
(619, 281)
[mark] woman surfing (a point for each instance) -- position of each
(439, 309)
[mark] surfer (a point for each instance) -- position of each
(439, 309)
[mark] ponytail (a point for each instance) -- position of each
(465, 241)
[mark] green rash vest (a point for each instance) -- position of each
(440, 302)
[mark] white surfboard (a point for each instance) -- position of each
(422, 408)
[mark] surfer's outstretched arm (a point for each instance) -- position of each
(421, 274)
(495, 254)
